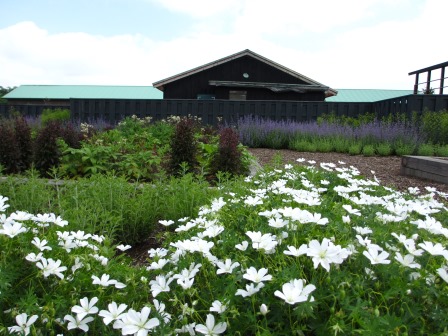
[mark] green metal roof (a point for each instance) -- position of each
(84, 91)
(366, 95)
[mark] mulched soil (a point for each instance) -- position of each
(387, 170)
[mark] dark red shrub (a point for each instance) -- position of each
(24, 143)
(9, 150)
(228, 158)
(183, 146)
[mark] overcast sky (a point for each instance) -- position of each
(345, 44)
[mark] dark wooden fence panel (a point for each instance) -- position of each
(210, 111)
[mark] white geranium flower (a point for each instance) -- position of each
(295, 291)
(23, 323)
(113, 313)
(210, 328)
(257, 276)
(226, 267)
(86, 307)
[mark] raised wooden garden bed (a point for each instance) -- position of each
(426, 167)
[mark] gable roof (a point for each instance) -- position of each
(160, 84)
(366, 95)
(84, 91)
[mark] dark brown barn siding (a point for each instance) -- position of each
(189, 87)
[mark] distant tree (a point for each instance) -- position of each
(5, 90)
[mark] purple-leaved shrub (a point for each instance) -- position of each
(228, 157)
(183, 147)
(9, 150)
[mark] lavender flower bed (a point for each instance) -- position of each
(258, 132)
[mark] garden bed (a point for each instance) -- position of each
(430, 168)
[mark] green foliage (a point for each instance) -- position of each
(357, 256)
(384, 149)
(402, 148)
(368, 150)
(425, 150)
(435, 126)
(324, 145)
(58, 114)
(441, 150)
(355, 149)
(303, 145)
(277, 140)
(357, 121)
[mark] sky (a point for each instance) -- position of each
(344, 44)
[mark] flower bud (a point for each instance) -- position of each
(264, 309)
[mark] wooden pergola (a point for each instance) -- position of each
(428, 81)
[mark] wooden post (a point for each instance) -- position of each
(442, 77)
(428, 82)
(416, 84)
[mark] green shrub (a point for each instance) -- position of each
(384, 149)
(276, 140)
(302, 145)
(402, 148)
(324, 145)
(435, 126)
(368, 150)
(441, 150)
(425, 150)
(341, 145)
(57, 114)
(355, 149)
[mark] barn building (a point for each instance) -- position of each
(243, 76)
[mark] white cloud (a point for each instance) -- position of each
(318, 40)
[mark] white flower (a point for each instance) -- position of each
(293, 251)
(218, 306)
(362, 230)
(294, 291)
(41, 245)
(114, 313)
(434, 249)
(443, 273)
(375, 257)
(49, 266)
(33, 257)
(23, 323)
(264, 309)
(351, 210)
(250, 200)
(226, 267)
(160, 284)
(277, 222)
(138, 322)
(12, 229)
(243, 246)
(257, 276)
(104, 281)
(124, 247)
(166, 222)
(78, 322)
(210, 328)
(86, 307)
(326, 253)
(159, 264)
(251, 289)
(407, 260)
(3, 205)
